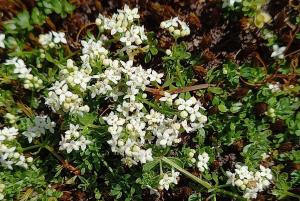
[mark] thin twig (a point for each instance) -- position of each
(292, 40)
(178, 90)
(65, 163)
(82, 28)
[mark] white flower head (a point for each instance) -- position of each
(168, 98)
(59, 37)
(278, 52)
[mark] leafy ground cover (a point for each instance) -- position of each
(149, 100)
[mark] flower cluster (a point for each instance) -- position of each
(8, 154)
(61, 98)
(52, 39)
(250, 182)
(274, 87)
(92, 52)
(41, 125)
(2, 37)
(30, 81)
(73, 140)
(76, 77)
(202, 163)
(176, 27)
(167, 180)
(190, 111)
(122, 25)
(132, 127)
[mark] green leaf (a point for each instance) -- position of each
(150, 165)
(186, 173)
(23, 21)
(215, 90)
(87, 119)
(153, 50)
(222, 108)
(148, 57)
(37, 17)
(177, 161)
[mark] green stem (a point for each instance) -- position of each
(51, 150)
(179, 74)
(200, 181)
(186, 173)
(32, 147)
(293, 195)
(160, 168)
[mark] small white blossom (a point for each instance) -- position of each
(8, 154)
(176, 27)
(202, 162)
(278, 52)
(59, 37)
(45, 39)
(274, 87)
(168, 98)
(167, 180)
(41, 124)
(73, 140)
(30, 81)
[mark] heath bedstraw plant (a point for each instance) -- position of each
(105, 115)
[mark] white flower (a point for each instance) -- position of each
(168, 52)
(8, 134)
(145, 155)
(274, 87)
(230, 2)
(167, 180)
(185, 104)
(8, 154)
(250, 182)
(59, 37)
(45, 39)
(278, 52)
(154, 76)
(2, 37)
(266, 172)
(176, 27)
(202, 161)
(168, 98)
(41, 125)
(73, 140)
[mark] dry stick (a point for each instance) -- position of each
(50, 23)
(292, 40)
(251, 84)
(178, 90)
(65, 163)
(82, 28)
(292, 53)
(258, 57)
